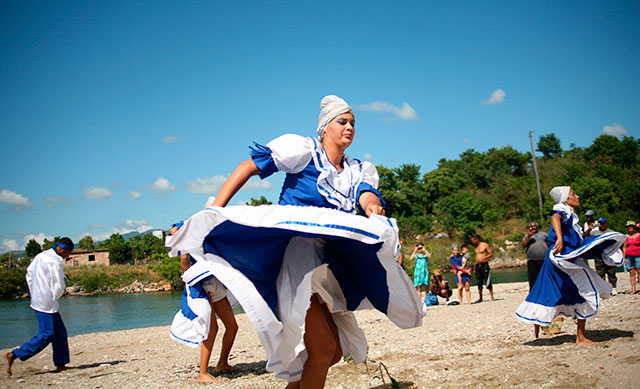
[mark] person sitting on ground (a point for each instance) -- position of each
(439, 286)
(45, 278)
(605, 271)
(484, 254)
(219, 307)
(463, 279)
(632, 254)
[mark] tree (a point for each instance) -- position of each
(119, 251)
(549, 146)
(86, 243)
(145, 246)
(47, 244)
(32, 248)
(460, 212)
(259, 201)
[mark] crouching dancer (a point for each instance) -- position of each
(45, 277)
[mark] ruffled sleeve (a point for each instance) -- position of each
(289, 153)
(369, 183)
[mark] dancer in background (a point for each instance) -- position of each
(310, 261)
(195, 325)
(566, 285)
(45, 277)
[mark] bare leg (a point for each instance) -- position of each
(322, 343)
(536, 330)
(460, 292)
(491, 293)
(205, 350)
(223, 309)
(633, 279)
(467, 288)
(10, 358)
(479, 300)
(581, 336)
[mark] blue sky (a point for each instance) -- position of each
(124, 115)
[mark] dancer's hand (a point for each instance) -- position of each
(558, 246)
(374, 209)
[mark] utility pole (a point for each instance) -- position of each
(535, 170)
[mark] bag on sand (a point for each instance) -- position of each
(430, 299)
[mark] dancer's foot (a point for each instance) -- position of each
(206, 378)
(293, 385)
(584, 341)
(225, 368)
(477, 301)
(10, 358)
(60, 368)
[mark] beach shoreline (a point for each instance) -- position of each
(478, 345)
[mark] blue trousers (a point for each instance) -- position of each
(51, 329)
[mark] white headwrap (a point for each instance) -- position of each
(330, 107)
(560, 194)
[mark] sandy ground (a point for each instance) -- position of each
(479, 345)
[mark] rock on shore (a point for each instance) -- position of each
(479, 345)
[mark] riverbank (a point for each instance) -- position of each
(489, 348)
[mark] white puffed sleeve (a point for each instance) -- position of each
(289, 153)
(370, 174)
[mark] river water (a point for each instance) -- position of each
(112, 313)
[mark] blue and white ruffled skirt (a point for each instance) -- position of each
(567, 286)
(272, 258)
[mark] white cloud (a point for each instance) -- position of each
(169, 139)
(406, 112)
(256, 183)
(163, 185)
(615, 129)
(13, 198)
(9, 245)
(135, 195)
(367, 157)
(38, 237)
(497, 97)
(213, 184)
(97, 193)
(205, 185)
(133, 223)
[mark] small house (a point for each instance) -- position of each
(85, 257)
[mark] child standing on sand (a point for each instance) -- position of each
(463, 278)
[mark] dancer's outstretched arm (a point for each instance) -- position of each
(370, 203)
(235, 181)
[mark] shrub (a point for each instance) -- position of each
(12, 283)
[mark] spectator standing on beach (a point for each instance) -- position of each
(45, 277)
(484, 254)
(632, 254)
(602, 268)
(590, 224)
(535, 245)
(421, 270)
(462, 273)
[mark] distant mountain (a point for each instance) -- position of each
(133, 234)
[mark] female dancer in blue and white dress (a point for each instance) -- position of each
(566, 285)
(300, 269)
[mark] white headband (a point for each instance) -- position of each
(330, 107)
(560, 194)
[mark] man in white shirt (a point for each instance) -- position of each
(45, 276)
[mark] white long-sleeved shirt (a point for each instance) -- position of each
(45, 277)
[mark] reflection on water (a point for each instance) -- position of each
(111, 313)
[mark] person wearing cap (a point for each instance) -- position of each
(632, 254)
(566, 285)
(300, 269)
(45, 278)
(605, 271)
(590, 224)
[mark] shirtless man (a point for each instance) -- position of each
(484, 254)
